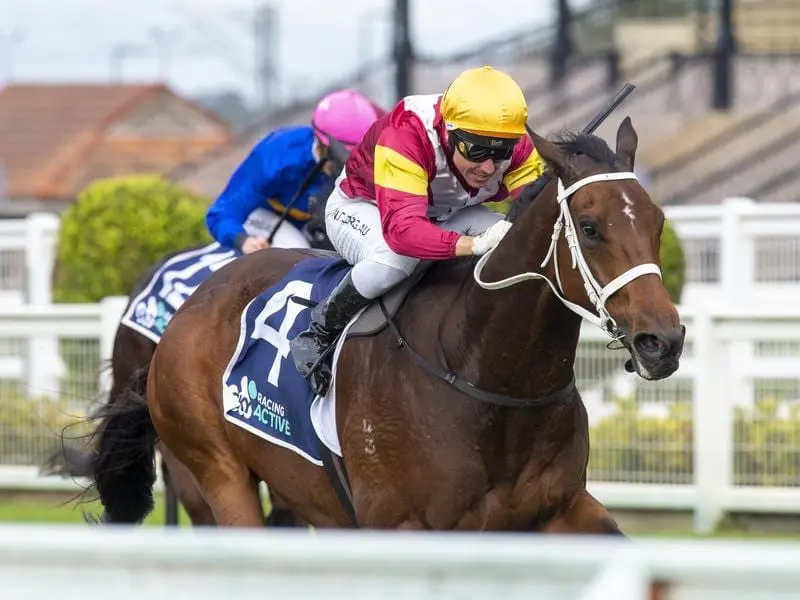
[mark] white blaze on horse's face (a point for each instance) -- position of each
(628, 209)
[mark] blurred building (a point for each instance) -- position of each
(717, 105)
(54, 139)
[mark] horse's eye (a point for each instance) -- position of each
(589, 230)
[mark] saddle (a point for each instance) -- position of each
(374, 318)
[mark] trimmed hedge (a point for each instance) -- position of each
(31, 427)
(630, 446)
(117, 229)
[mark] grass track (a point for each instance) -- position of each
(37, 508)
(29, 508)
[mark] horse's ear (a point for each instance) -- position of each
(627, 142)
(551, 153)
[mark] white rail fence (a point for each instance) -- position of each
(739, 250)
(721, 434)
(72, 563)
(27, 255)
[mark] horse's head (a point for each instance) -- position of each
(613, 233)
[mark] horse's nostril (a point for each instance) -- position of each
(650, 345)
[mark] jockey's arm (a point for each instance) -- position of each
(255, 180)
(403, 168)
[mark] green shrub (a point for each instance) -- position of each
(629, 446)
(117, 229)
(31, 427)
(767, 446)
(673, 262)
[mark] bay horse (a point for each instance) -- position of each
(501, 442)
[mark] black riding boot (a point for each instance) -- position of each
(328, 319)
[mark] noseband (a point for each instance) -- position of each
(598, 294)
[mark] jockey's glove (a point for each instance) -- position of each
(490, 238)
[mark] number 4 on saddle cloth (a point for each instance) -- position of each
(263, 392)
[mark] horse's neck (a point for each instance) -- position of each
(519, 341)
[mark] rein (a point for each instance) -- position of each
(597, 294)
(442, 371)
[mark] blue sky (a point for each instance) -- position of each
(211, 43)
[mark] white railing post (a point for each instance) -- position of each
(111, 310)
(737, 260)
(44, 366)
(41, 230)
(712, 432)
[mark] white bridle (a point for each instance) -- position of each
(598, 294)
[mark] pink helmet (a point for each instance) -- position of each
(344, 115)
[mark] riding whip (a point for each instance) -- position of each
(538, 185)
(303, 187)
(337, 153)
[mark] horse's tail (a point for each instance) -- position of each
(123, 467)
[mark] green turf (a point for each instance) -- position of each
(36, 508)
(46, 509)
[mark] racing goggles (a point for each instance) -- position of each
(479, 148)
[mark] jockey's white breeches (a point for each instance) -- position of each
(261, 222)
(354, 229)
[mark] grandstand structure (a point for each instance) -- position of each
(717, 105)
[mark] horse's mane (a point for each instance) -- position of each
(576, 144)
(594, 147)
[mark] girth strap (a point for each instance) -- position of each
(337, 475)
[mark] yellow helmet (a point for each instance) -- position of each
(486, 102)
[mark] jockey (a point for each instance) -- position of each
(261, 187)
(413, 189)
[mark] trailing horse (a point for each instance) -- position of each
(459, 412)
(144, 319)
(159, 292)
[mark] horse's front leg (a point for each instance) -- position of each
(583, 514)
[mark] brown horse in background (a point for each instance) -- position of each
(131, 353)
(506, 451)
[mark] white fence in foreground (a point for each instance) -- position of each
(73, 563)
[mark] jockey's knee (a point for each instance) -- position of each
(372, 279)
